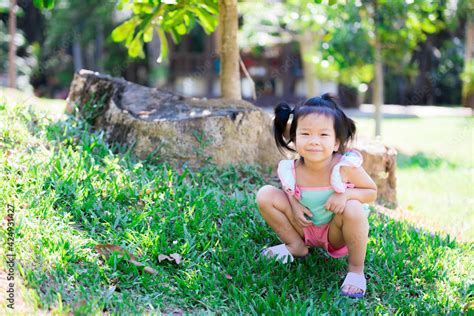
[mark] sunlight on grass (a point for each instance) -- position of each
(13, 96)
(447, 138)
(435, 169)
(443, 197)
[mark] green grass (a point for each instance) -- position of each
(72, 191)
(435, 170)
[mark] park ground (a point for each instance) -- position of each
(72, 192)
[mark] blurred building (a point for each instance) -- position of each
(193, 70)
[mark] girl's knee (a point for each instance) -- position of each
(265, 194)
(354, 210)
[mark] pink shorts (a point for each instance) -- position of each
(317, 236)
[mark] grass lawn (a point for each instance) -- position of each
(42, 105)
(435, 170)
(71, 192)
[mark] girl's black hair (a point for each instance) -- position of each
(326, 105)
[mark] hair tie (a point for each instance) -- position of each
(327, 96)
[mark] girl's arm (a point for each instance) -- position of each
(365, 189)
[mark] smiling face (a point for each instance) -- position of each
(315, 137)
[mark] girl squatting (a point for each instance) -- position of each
(323, 195)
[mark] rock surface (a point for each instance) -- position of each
(174, 128)
(380, 162)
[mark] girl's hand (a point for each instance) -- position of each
(336, 203)
(298, 213)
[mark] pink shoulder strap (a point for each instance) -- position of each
(286, 173)
(350, 158)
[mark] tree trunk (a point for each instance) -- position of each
(12, 46)
(99, 48)
(423, 89)
(348, 96)
(377, 95)
(159, 74)
(229, 50)
(309, 74)
(77, 52)
(468, 93)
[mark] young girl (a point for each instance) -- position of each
(321, 204)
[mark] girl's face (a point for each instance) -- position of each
(315, 137)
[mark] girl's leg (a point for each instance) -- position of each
(351, 228)
(276, 210)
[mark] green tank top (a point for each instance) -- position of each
(315, 199)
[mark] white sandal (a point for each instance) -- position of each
(281, 252)
(356, 280)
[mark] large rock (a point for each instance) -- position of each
(174, 128)
(380, 162)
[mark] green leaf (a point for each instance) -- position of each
(48, 4)
(174, 18)
(121, 32)
(429, 7)
(44, 4)
(181, 29)
(174, 35)
(136, 47)
(331, 2)
(428, 27)
(129, 39)
(318, 1)
(186, 19)
(192, 22)
(211, 7)
(139, 8)
(207, 21)
(164, 45)
(148, 34)
(327, 37)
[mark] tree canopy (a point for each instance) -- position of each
(175, 18)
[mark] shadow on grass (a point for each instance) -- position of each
(423, 161)
(209, 217)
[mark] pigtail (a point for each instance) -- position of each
(351, 128)
(282, 115)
